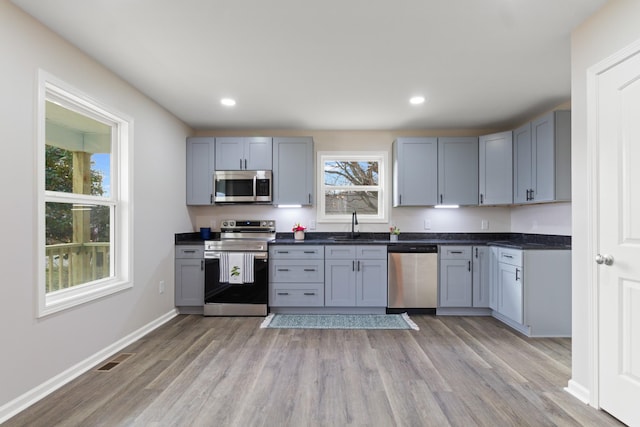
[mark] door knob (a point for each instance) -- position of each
(604, 259)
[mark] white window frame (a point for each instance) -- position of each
(120, 201)
(383, 199)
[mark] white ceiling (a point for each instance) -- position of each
(332, 64)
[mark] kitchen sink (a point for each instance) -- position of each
(349, 238)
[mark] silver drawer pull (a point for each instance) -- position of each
(283, 269)
(309, 252)
(283, 293)
(283, 252)
(456, 252)
(309, 293)
(309, 269)
(507, 256)
(192, 251)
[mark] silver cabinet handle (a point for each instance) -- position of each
(240, 164)
(309, 252)
(309, 269)
(283, 293)
(309, 293)
(358, 265)
(604, 259)
(469, 266)
(189, 251)
(481, 199)
(245, 164)
(455, 252)
(201, 264)
(283, 269)
(517, 271)
(353, 266)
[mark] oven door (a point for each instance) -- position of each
(230, 299)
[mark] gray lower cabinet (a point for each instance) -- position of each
(200, 169)
(189, 276)
(296, 276)
(355, 276)
(534, 291)
(464, 277)
(293, 171)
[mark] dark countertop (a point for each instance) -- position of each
(508, 240)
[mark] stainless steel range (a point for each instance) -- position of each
(237, 269)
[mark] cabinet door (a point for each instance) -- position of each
(522, 164)
(371, 283)
(293, 171)
(495, 169)
(258, 153)
(415, 172)
(493, 278)
(458, 171)
(455, 283)
(510, 292)
(200, 169)
(229, 153)
(340, 283)
(481, 277)
(542, 141)
(189, 282)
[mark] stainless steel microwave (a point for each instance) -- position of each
(242, 186)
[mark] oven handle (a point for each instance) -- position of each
(256, 255)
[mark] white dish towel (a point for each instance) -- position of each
(236, 268)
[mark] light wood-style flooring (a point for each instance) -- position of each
(208, 371)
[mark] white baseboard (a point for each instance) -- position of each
(578, 391)
(22, 402)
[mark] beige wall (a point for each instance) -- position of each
(606, 32)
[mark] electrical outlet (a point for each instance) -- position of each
(484, 224)
(161, 286)
(312, 224)
(213, 224)
(427, 224)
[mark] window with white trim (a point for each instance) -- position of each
(352, 181)
(84, 198)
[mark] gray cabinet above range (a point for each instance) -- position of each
(243, 153)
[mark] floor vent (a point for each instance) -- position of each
(114, 362)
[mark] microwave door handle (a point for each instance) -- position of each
(255, 187)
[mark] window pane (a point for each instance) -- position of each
(344, 202)
(77, 244)
(77, 153)
(341, 173)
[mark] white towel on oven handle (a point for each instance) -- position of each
(224, 267)
(247, 274)
(236, 267)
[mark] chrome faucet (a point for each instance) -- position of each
(354, 222)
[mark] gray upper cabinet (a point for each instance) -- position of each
(542, 159)
(458, 170)
(238, 153)
(495, 169)
(293, 171)
(200, 168)
(415, 172)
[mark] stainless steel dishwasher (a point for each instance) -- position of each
(412, 277)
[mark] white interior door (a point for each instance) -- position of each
(618, 244)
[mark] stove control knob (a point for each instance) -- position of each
(232, 223)
(224, 223)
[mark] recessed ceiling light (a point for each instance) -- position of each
(228, 102)
(417, 100)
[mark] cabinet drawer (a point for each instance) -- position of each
(296, 252)
(455, 252)
(371, 252)
(510, 256)
(190, 251)
(297, 296)
(289, 271)
(339, 252)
